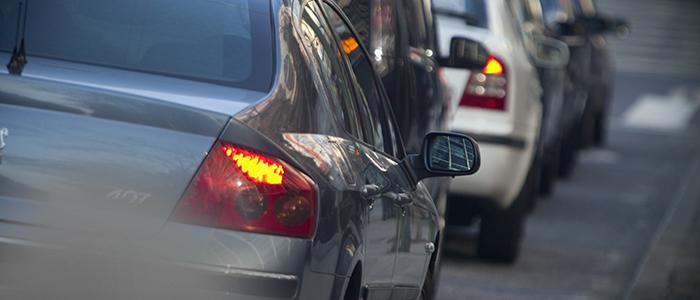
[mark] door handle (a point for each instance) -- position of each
(370, 190)
(401, 199)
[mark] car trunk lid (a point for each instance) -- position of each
(94, 160)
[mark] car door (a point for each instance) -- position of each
(411, 205)
(381, 219)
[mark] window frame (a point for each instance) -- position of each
(343, 124)
(397, 142)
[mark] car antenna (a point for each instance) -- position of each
(19, 56)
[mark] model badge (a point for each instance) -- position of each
(4, 132)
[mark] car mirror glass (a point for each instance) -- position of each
(450, 154)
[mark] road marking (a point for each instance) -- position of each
(671, 210)
(662, 113)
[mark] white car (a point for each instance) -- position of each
(500, 106)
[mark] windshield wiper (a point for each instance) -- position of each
(19, 53)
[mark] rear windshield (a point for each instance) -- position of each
(553, 11)
(473, 10)
(226, 42)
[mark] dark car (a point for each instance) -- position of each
(559, 19)
(180, 149)
(576, 23)
(595, 26)
(557, 103)
(401, 40)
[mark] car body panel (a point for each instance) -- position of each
(62, 138)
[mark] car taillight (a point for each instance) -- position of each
(242, 190)
(487, 88)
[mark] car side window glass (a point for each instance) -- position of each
(370, 101)
(523, 26)
(318, 39)
(417, 24)
(380, 37)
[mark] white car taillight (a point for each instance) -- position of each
(487, 88)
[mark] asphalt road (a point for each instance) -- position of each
(604, 233)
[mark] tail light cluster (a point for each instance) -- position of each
(487, 88)
(242, 190)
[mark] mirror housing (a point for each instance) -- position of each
(550, 53)
(465, 54)
(446, 154)
(600, 24)
(568, 28)
(617, 25)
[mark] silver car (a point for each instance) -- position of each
(230, 149)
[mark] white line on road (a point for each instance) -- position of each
(670, 113)
(689, 180)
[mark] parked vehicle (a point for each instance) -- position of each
(559, 114)
(588, 71)
(596, 26)
(500, 105)
(208, 149)
(401, 39)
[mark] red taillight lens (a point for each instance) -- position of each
(487, 88)
(242, 190)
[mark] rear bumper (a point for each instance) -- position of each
(31, 270)
(504, 166)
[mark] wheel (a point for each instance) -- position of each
(501, 229)
(568, 155)
(600, 131)
(532, 183)
(428, 290)
(432, 277)
(549, 171)
(548, 179)
(354, 289)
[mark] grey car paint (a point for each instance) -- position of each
(94, 137)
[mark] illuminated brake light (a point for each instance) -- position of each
(242, 190)
(487, 88)
(349, 45)
(493, 67)
(258, 168)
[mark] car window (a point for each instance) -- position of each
(225, 42)
(588, 7)
(521, 19)
(319, 41)
(417, 24)
(376, 117)
(380, 37)
(474, 9)
(555, 11)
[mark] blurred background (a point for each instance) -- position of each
(626, 224)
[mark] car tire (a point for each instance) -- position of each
(429, 289)
(600, 130)
(550, 169)
(501, 230)
(568, 155)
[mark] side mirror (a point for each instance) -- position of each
(568, 28)
(601, 24)
(550, 53)
(446, 154)
(620, 27)
(465, 54)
